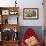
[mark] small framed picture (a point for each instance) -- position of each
(5, 12)
(30, 13)
(13, 12)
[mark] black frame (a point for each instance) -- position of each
(31, 18)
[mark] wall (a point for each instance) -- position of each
(26, 4)
(31, 4)
(36, 29)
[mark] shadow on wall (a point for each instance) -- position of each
(37, 29)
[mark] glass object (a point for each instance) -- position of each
(9, 34)
(5, 20)
(15, 36)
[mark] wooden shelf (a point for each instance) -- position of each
(4, 13)
(8, 10)
(10, 43)
(11, 26)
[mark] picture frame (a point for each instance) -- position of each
(13, 12)
(5, 12)
(31, 13)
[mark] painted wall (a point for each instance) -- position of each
(36, 29)
(31, 4)
(26, 4)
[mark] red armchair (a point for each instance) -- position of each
(30, 34)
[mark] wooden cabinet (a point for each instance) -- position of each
(7, 14)
(9, 26)
(10, 43)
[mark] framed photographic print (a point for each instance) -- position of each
(30, 13)
(5, 12)
(13, 12)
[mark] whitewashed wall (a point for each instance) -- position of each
(31, 4)
(26, 4)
